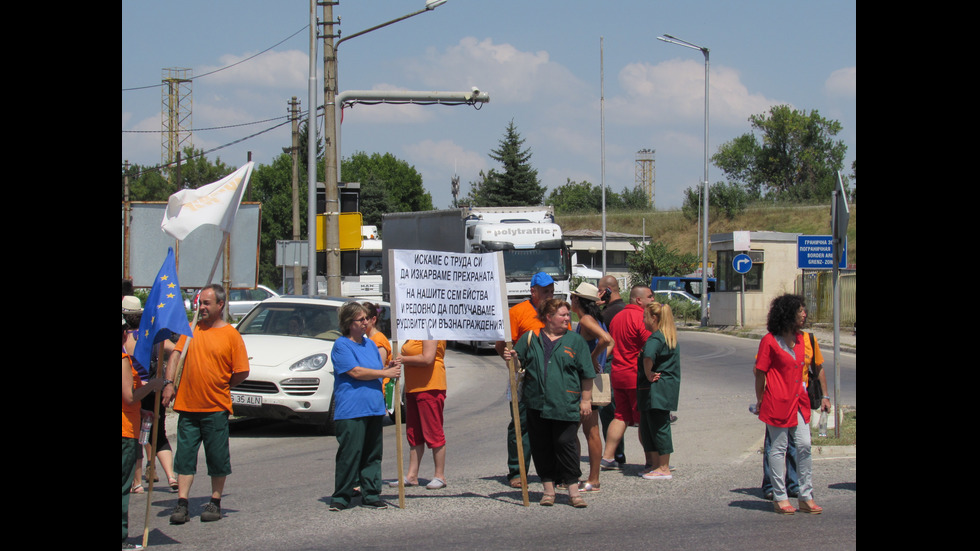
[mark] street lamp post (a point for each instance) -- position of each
(704, 259)
(331, 151)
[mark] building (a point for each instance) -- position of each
(586, 249)
(774, 272)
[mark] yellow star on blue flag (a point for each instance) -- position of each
(164, 312)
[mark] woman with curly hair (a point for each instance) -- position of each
(782, 400)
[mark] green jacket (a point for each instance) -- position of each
(664, 393)
(556, 390)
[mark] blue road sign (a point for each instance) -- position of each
(816, 252)
(742, 263)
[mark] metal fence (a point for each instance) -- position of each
(817, 287)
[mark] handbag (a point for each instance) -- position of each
(601, 390)
(813, 388)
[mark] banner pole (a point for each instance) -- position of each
(515, 412)
(396, 401)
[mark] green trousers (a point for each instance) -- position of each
(130, 447)
(359, 447)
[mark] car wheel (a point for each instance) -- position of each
(326, 428)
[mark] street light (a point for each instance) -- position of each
(704, 260)
(332, 168)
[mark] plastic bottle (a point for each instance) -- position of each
(754, 408)
(145, 428)
(823, 423)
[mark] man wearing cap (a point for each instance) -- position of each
(523, 318)
(216, 362)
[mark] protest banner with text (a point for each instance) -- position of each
(447, 296)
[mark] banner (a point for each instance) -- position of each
(216, 204)
(448, 296)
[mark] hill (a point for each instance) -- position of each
(677, 232)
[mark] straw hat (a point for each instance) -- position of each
(131, 305)
(587, 290)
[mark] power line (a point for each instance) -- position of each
(228, 66)
(203, 129)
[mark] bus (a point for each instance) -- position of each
(689, 283)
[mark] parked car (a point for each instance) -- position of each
(682, 295)
(240, 301)
(289, 340)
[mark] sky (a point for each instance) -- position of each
(587, 84)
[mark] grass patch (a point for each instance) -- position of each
(848, 432)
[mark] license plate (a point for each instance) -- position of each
(245, 400)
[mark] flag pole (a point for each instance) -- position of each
(151, 470)
(197, 312)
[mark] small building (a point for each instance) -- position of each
(774, 272)
(586, 249)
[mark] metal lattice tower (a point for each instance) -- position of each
(646, 173)
(175, 112)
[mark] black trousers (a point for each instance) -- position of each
(554, 448)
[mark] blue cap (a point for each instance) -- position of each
(541, 279)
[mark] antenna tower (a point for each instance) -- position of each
(176, 113)
(646, 173)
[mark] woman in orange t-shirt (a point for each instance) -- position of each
(425, 398)
(133, 391)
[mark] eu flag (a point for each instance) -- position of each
(163, 313)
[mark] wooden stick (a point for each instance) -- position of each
(151, 456)
(515, 411)
(396, 401)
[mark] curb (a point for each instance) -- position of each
(833, 451)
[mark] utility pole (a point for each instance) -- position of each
(330, 176)
(297, 270)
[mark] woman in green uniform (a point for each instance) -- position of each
(658, 384)
(558, 395)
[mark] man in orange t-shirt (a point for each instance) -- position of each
(216, 362)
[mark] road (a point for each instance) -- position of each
(278, 494)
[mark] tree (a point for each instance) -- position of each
(517, 185)
(634, 199)
(797, 158)
(657, 259)
(728, 198)
(388, 183)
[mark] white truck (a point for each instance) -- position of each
(366, 284)
(529, 238)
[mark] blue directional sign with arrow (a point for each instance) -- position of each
(742, 263)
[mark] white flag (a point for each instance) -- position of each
(216, 204)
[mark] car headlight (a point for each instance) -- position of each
(310, 363)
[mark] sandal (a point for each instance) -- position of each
(547, 500)
(588, 487)
(784, 509)
(173, 483)
(137, 489)
(811, 509)
(577, 502)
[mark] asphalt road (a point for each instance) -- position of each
(278, 495)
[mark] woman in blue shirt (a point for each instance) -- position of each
(359, 408)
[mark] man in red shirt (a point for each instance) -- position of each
(630, 334)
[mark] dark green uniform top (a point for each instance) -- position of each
(555, 389)
(662, 394)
